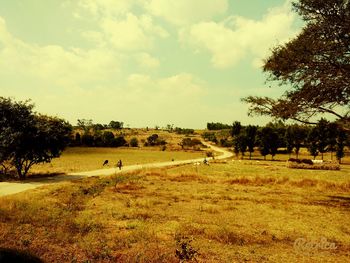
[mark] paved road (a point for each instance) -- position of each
(7, 188)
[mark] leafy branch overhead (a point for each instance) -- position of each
(316, 65)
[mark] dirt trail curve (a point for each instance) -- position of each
(7, 188)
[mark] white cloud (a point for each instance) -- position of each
(99, 8)
(237, 37)
(54, 64)
(181, 12)
(145, 60)
(132, 33)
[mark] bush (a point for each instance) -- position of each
(321, 166)
(134, 142)
(307, 161)
(119, 141)
(154, 140)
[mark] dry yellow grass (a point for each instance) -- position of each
(234, 211)
(78, 159)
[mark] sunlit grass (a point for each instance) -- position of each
(78, 159)
(234, 211)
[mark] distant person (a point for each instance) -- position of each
(120, 164)
(205, 161)
(105, 162)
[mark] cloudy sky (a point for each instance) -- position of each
(144, 62)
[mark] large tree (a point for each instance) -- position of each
(27, 138)
(316, 65)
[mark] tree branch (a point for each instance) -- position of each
(331, 112)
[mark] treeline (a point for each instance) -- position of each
(87, 124)
(214, 126)
(99, 139)
(108, 139)
(281, 138)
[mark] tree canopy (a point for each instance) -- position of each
(27, 138)
(316, 65)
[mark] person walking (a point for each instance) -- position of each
(120, 164)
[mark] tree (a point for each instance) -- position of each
(299, 134)
(85, 124)
(322, 128)
(87, 139)
(134, 142)
(217, 126)
(312, 140)
(152, 140)
(332, 134)
(289, 139)
(268, 141)
(250, 133)
(316, 65)
(118, 125)
(340, 144)
(236, 128)
(77, 140)
(119, 141)
(27, 138)
(108, 139)
(44, 141)
(242, 143)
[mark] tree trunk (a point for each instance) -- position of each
(21, 174)
(250, 155)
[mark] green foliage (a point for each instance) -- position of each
(188, 142)
(118, 125)
(210, 136)
(87, 139)
(108, 139)
(184, 131)
(134, 142)
(250, 133)
(340, 144)
(120, 141)
(27, 138)
(240, 144)
(155, 140)
(212, 126)
(315, 64)
(268, 141)
(85, 124)
(236, 128)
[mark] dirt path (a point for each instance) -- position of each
(7, 188)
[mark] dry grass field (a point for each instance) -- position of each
(77, 159)
(234, 211)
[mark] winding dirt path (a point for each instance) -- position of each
(7, 188)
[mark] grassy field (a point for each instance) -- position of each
(234, 211)
(78, 159)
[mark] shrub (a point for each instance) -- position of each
(307, 161)
(320, 166)
(119, 141)
(134, 142)
(184, 249)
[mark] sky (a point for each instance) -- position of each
(143, 62)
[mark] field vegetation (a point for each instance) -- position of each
(230, 211)
(77, 159)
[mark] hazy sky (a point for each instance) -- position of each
(144, 62)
